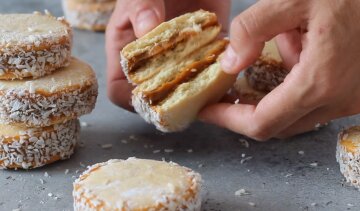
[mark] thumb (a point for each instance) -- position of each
(261, 22)
(145, 15)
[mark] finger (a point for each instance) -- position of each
(145, 15)
(260, 23)
(312, 121)
(118, 33)
(289, 45)
(229, 116)
(319, 117)
(119, 92)
(275, 112)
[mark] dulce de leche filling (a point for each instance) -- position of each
(138, 60)
(186, 74)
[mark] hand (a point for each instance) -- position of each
(319, 42)
(134, 18)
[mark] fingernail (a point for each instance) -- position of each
(146, 21)
(229, 61)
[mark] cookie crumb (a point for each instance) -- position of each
(106, 146)
(315, 164)
(244, 143)
(156, 151)
(168, 150)
(242, 192)
(252, 204)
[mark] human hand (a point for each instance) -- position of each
(319, 42)
(134, 18)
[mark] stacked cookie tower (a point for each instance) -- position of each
(88, 14)
(43, 90)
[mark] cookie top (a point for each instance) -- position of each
(75, 76)
(28, 29)
(137, 184)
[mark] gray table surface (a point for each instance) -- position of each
(277, 177)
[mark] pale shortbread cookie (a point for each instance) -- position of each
(348, 155)
(24, 148)
(177, 71)
(33, 45)
(88, 14)
(137, 184)
(66, 94)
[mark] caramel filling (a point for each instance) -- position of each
(138, 60)
(349, 145)
(186, 74)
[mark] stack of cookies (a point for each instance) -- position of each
(88, 14)
(43, 90)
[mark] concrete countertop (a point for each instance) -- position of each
(277, 177)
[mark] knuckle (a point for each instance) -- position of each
(244, 24)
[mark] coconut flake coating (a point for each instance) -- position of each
(36, 110)
(35, 147)
(33, 45)
(67, 94)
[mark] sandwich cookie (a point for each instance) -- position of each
(348, 155)
(263, 76)
(25, 148)
(137, 184)
(88, 14)
(33, 45)
(66, 94)
(177, 71)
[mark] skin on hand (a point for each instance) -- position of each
(132, 19)
(319, 42)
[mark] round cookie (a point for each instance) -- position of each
(348, 155)
(26, 148)
(66, 94)
(137, 184)
(33, 45)
(87, 14)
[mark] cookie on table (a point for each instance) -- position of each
(66, 94)
(137, 184)
(88, 14)
(25, 148)
(348, 155)
(33, 45)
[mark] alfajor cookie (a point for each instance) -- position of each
(66, 94)
(24, 148)
(88, 14)
(137, 184)
(263, 76)
(33, 45)
(348, 155)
